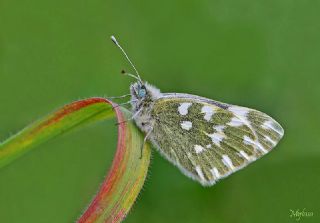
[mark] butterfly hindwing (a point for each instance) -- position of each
(209, 140)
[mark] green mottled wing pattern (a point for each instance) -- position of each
(209, 140)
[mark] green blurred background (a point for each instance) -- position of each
(260, 54)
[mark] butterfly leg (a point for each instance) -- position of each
(117, 97)
(125, 103)
(131, 118)
(144, 141)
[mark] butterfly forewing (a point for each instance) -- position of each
(208, 140)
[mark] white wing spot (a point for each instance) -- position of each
(235, 122)
(186, 125)
(237, 110)
(267, 138)
(219, 128)
(227, 162)
(216, 137)
(208, 111)
(214, 171)
(183, 108)
(269, 125)
(198, 148)
(241, 113)
(200, 173)
(245, 155)
(248, 141)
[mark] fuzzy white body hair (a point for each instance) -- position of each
(142, 106)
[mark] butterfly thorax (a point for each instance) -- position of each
(143, 97)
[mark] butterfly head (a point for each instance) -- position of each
(142, 94)
(138, 90)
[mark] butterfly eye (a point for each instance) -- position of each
(142, 93)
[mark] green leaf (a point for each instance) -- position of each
(128, 172)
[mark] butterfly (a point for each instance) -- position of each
(206, 139)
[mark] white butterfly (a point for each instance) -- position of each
(206, 139)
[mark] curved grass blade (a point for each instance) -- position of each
(126, 177)
(65, 119)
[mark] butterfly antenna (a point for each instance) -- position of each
(137, 76)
